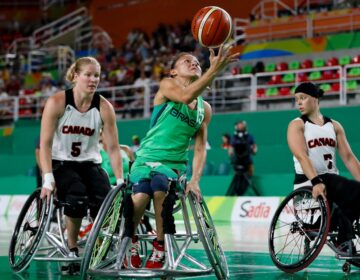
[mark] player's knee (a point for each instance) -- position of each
(143, 186)
(159, 183)
(76, 205)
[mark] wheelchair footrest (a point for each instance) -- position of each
(148, 273)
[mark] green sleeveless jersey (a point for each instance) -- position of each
(171, 128)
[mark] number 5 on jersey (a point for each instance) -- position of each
(75, 149)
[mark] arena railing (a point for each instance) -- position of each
(58, 27)
(299, 25)
(228, 93)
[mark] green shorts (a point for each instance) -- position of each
(143, 169)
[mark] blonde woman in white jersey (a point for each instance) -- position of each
(313, 139)
(69, 145)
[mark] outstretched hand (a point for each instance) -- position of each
(223, 57)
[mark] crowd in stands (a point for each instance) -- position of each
(144, 57)
(140, 59)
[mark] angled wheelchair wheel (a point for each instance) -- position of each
(208, 237)
(100, 249)
(298, 230)
(29, 231)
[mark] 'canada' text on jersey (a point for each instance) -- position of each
(324, 141)
(76, 129)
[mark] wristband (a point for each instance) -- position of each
(119, 181)
(316, 180)
(48, 181)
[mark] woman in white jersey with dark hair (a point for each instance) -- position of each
(313, 139)
(69, 146)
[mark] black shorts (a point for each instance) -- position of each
(84, 180)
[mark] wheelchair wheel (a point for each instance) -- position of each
(29, 231)
(298, 230)
(209, 238)
(100, 248)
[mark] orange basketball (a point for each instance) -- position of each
(211, 26)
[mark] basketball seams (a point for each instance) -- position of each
(203, 21)
(215, 34)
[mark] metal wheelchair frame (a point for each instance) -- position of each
(110, 239)
(31, 231)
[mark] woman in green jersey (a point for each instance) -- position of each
(179, 115)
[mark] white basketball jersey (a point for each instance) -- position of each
(77, 135)
(321, 146)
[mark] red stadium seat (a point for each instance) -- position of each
(283, 66)
(327, 75)
(356, 59)
(335, 87)
(25, 112)
(306, 64)
(276, 79)
(260, 92)
(302, 77)
(23, 101)
(285, 91)
(332, 61)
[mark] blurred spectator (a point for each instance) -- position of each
(47, 85)
(225, 144)
(13, 86)
(136, 143)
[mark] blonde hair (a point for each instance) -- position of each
(77, 66)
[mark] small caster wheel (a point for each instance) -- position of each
(346, 267)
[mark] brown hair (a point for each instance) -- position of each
(77, 66)
(177, 57)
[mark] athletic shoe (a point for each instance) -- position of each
(72, 268)
(135, 258)
(86, 230)
(157, 257)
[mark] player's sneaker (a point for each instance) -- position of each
(86, 230)
(72, 268)
(157, 257)
(135, 258)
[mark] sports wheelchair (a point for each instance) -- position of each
(34, 239)
(302, 225)
(109, 243)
